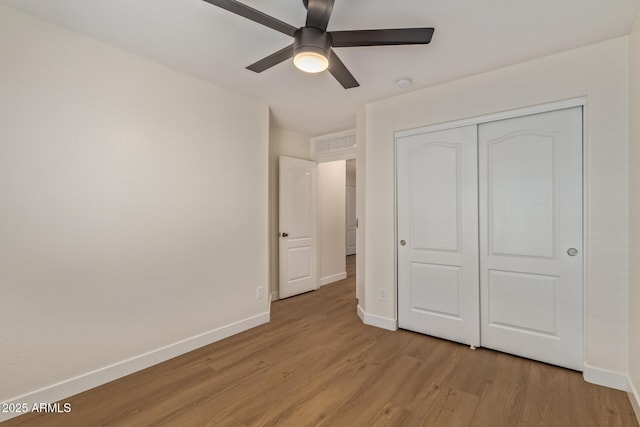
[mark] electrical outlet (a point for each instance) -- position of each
(382, 294)
(260, 292)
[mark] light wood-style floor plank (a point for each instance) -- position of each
(316, 364)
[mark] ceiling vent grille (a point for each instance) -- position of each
(337, 143)
(342, 144)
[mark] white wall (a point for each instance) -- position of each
(332, 221)
(281, 143)
(634, 212)
(599, 72)
(134, 207)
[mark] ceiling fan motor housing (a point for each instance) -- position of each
(311, 39)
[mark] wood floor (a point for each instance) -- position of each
(316, 364)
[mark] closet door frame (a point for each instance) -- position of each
(509, 114)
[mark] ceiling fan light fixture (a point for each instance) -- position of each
(311, 62)
(311, 48)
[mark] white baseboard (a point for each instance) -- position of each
(84, 382)
(634, 397)
(333, 278)
(377, 321)
(605, 377)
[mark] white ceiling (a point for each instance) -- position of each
(470, 37)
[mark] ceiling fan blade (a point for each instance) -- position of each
(254, 15)
(318, 13)
(271, 60)
(396, 36)
(341, 73)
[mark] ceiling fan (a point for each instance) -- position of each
(312, 48)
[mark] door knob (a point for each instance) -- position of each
(572, 252)
(402, 242)
(285, 234)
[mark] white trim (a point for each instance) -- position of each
(275, 296)
(510, 114)
(73, 386)
(585, 231)
(332, 157)
(605, 377)
(377, 321)
(333, 278)
(634, 397)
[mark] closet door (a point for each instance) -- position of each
(438, 234)
(530, 177)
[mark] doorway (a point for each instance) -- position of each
(317, 201)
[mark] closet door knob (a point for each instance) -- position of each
(572, 252)
(402, 242)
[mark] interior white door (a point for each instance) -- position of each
(298, 227)
(530, 172)
(438, 290)
(351, 220)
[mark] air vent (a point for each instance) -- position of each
(336, 144)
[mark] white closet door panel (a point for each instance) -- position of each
(434, 182)
(438, 234)
(436, 289)
(523, 301)
(530, 171)
(522, 195)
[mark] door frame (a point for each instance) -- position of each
(510, 114)
(347, 155)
